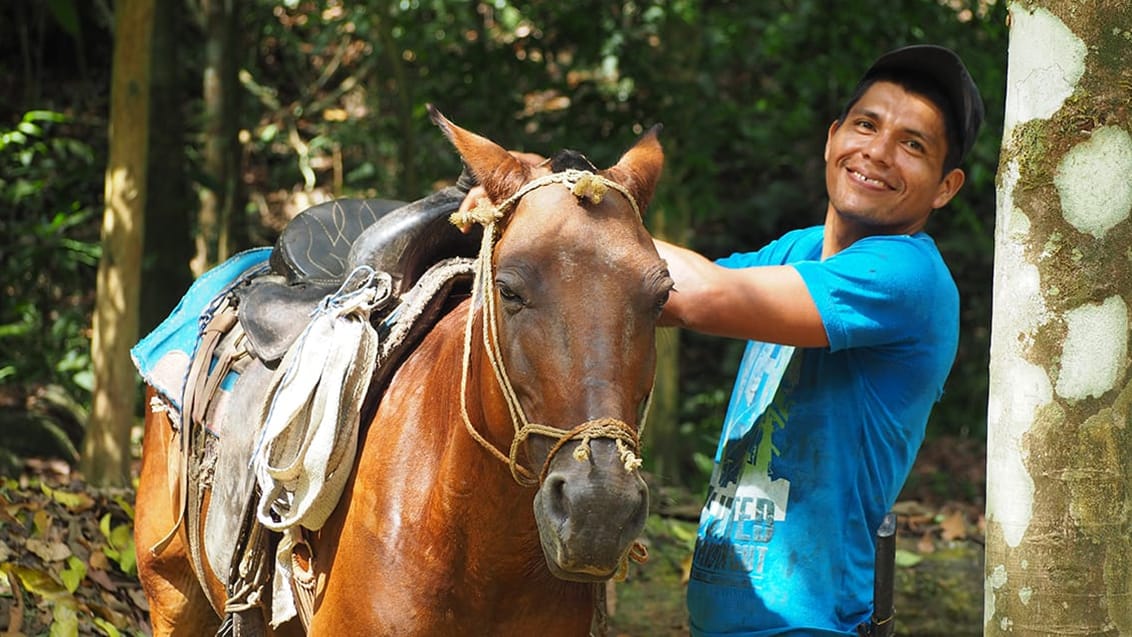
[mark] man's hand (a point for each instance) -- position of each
(470, 201)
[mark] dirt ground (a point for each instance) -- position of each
(67, 563)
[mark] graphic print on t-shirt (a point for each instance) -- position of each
(743, 503)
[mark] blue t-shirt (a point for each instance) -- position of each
(817, 442)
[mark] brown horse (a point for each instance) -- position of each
(497, 481)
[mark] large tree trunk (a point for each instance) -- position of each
(106, 449)
(1059, 447)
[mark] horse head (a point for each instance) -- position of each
(570, 286)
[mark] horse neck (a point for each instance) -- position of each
(464, 460)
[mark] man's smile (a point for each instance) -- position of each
(868, 181)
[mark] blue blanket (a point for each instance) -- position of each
(164, 355)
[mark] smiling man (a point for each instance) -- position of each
(852, 330)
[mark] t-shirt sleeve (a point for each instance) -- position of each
(877, 291)
(789, 247)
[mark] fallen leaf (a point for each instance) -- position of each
(954, 527)
(99, 561)
(76, 502)
(138, 598)
(42, 521)
(64, 619)
(907, 559)
(38, 582)
(73, 575)
(925, 544)
(48, 550)
(106, 627)
(102, 578)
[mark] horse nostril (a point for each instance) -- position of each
(558, 504)
(641, 514)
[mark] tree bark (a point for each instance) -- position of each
(1059, 447)
(106, 449)
(168, 235)
(220, 227)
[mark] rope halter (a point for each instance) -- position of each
(584, 185)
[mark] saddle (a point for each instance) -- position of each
(321, 246)
(413, 246)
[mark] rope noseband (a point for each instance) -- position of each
(582, 184)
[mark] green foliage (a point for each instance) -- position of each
(334, 105)
(119, 544)
(746, 92)
(49, 179)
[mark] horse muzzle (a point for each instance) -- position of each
(589, 513)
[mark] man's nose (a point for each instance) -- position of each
(879, 148)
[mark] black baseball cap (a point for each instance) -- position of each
(946, 70)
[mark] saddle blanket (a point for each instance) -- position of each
(163, 357)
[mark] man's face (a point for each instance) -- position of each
(884, 162)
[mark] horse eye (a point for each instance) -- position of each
(507, 294)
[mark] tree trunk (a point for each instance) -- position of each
(1059, 444)
(220, 227)
(667, 448)
(106, 449)
(168, 236)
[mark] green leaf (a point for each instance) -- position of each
(127, 506)
(43, 116)
(65, 619)
(106, 627)
(73, 501)
(907, 559)
(73, 575)
(28, 128)
(38, 582)
(120, 545)
(65, 15)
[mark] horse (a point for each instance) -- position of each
(496, 484)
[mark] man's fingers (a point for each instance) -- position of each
(469, 202)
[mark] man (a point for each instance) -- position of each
(853, 327)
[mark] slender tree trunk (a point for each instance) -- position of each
(168, 237)
(220, 227)
(407, 181)
(106, 449)
(1059, 447)
(666, 446)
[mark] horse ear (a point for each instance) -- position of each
(639, 168)
(500, 174)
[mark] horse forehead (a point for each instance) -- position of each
(553, 212)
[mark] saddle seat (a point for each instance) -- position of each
(323, 244)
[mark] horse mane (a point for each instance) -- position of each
(567, 159)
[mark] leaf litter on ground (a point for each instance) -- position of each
(68, 564)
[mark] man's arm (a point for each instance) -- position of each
(768, 303)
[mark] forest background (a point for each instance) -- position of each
(330, 102)
(264, 108)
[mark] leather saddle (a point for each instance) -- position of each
(323, 244)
